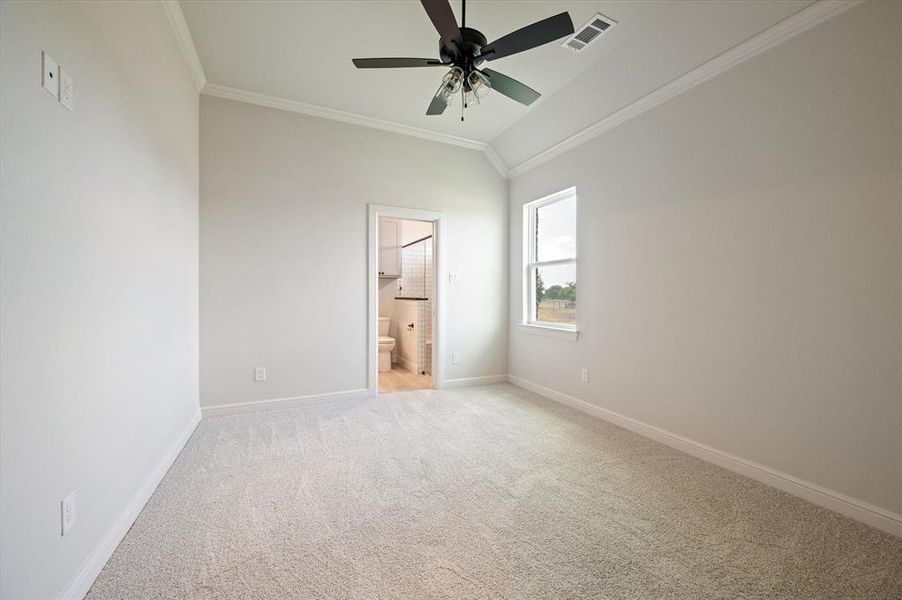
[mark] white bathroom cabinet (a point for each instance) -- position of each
(389, 248)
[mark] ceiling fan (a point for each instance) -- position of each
(464, 49)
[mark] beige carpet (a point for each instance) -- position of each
(483, 492)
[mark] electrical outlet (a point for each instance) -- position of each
(455, 358)
(67, 513)
(67, 90)
(260, 374)
(584, 375)
(453, 277)
(50, 75)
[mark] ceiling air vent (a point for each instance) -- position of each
(589, 32)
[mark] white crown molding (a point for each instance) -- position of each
(496, 161)
(867, 513)
(325, 112)
(314, 110)
(186, 44)
(782, 31)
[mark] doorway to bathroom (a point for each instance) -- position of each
(405, 299)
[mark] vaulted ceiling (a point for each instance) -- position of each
(301, 52)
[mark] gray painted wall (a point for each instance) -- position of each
(284, 244)
(98, 257)
(740, 261)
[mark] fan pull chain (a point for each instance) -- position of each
(463, 103)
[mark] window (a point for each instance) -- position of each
(549, 290)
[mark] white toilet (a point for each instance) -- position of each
(386, 344)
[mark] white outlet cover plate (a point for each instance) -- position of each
(50, 75)
(67, 513)
(260, 374)
(67, 90)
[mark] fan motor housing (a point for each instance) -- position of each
(472, 46)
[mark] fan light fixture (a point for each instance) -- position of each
(464, 49)
(451, 84)
(478, 87)
(475, 86)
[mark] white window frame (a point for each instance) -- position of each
(531, 265)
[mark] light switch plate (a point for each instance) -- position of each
(259, 373)
(455, 358)
(50, 75)
(67, 90)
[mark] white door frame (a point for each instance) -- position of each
(438, 283)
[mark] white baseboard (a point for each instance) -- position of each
(292, 402)
(469, 381)
(407, 364)
(90, 569)
(859, 510)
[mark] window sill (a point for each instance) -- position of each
(561, 333)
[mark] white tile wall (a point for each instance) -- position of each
(416, 281)
(416, 270)
(422, 319)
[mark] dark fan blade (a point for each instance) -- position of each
(391, 63)
(442, 17)
(436, 107)
(538, 33)
(511, 87)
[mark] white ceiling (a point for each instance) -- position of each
(302, 51)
